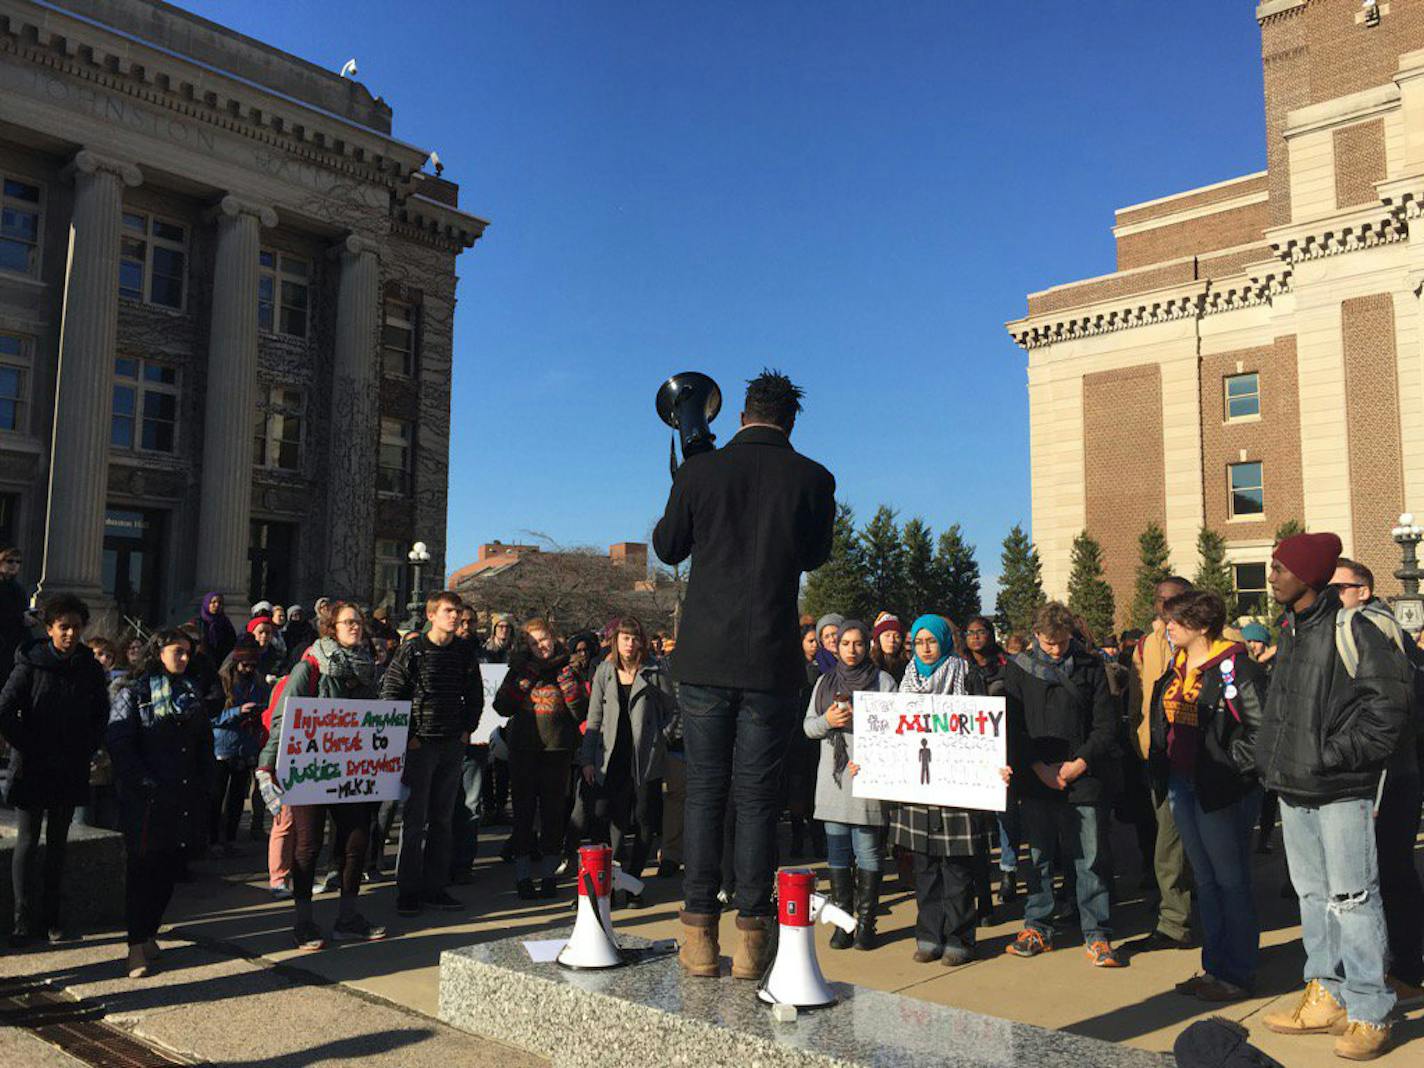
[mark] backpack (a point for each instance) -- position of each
(1383, 619)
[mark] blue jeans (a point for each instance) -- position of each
(755, 725)
(1330, 851)
(842, 837)
(1218, 845)
(1010, 834)
(1083, 829)
(469, 805)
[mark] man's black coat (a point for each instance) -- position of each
(752, 515)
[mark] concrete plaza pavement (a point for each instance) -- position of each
(238, 931)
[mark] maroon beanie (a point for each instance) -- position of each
(886, 621)
(1310, 557)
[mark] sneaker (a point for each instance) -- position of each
(567, 866)
(1220, 991)
(1103, 956)
(1314, 1013)
(626, 899)
(549, 887)
(927, 956)
(954, 956)
(309, 938)
(281, 891)
(443, 901)
(1362, 1041)
(1029, 943)
(56, 935)
(1158, 940)
(1407, 995)
(407, 905)
(357, 929)
(525, 889)
(329, 885)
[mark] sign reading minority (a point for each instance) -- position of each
(333, 751)
(931, 749)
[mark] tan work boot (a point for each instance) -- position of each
(1362, 1041)
(753, 955)
(700, 954)
(1315, 1013)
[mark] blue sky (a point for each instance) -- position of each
(857, 193)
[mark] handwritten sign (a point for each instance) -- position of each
(491, 675)
(931, 749)
(334, 751)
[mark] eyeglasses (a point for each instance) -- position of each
(1347, 585)
(977, 632)
(348, 622)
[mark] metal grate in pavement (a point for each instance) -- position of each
(76, 1027)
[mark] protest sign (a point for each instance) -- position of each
(491, 675)
(931, 749)
(333, 751)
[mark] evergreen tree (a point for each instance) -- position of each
(884, 562)
(1152, 568)
(1288, 529)
(839, 585)
(1213, 572)
(919, 571)
(956, 578)
(1020, 584)
(1089, 594)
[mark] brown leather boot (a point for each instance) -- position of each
(753, 955)
(700, 954)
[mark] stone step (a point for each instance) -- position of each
(649, 1013)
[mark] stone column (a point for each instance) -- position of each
(230, 403)
(79, 453)
(355, 423)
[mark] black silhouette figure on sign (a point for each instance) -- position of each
(925, 758)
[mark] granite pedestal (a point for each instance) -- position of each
(651, 1014)
(93, 877)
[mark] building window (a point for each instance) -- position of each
(152, 255)
(1248, 496)
(19, 226)
(14, 381)
(134, 554)
(283, 290)
(271, 556)
(1250, 583)
(398, 339)
(390, 574)
(1243, 396)
(393, 476)
(279, 429)
(145, 406)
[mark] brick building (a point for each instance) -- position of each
(226, 306)
(1256, 357)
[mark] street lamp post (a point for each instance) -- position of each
(1409, 605)
(418, 556)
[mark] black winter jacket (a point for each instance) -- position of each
(753, 516)
(1225, 768)
(164, 767)
(52, 712)
(442, 684)
(1052, 723)
(1325, 737)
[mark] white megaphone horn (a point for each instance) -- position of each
(592, 943)
(795, 975)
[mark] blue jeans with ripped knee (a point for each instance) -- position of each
(1330, 850)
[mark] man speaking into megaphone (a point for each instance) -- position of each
(753, 516)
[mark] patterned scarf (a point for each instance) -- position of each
(947, 677)
(171, 695)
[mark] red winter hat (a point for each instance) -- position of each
(257, 621)
(886, 621)
(1310, 557)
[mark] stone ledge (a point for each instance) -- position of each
(648, 1013)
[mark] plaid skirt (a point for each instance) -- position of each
(940, 832)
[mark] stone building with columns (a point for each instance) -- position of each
(227, 295)
(1256, 356)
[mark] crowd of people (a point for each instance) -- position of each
(1197, 735)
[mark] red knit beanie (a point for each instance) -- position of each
(257, 621)
(1310, 557)
(886, 621)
